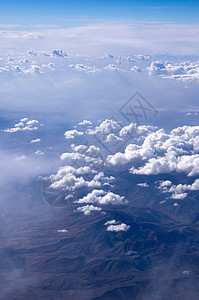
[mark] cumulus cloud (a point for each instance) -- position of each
(106, 127)
(114, 225)
(59, 52)
(179, 196)
(84, 68)
(103, 198)
(185, 71)
(129, 129)
(24, 125)
(157, 152)
(71, 182)
(117, 228)
(113, 139)
(180, 191)
(70, 134)
(85, 122)
(81, 159)
(112, 67)
(152, 151)
(111, 222)
(87, 209)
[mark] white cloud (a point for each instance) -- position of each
(112, 67)
(59, 52)
(117, 228)
(159, 152)
(112, 139)
(21, 157)
(165, 183)
(84, 68)
(106, 127)
(35, 141)
(102, 198)
(17, 35)
(39, 152)
(24, 125)
(85, 122)
(152, 151)
(70, 134)
(143, 184)
(111, 222)
(87, 209)
(70, 178)
(179, 196)
(185, 71)
(92, 197)
(81, 159)
(136, 69)
(179, 191)
(129, 129)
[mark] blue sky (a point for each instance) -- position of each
(60, 12)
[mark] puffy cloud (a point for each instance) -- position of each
(106, 127)
(114, 225)
(165, 183)
(103, 198)
(180, 196)
(62, 230)
(117, 228)
(111, 222)
(93, 151)
(83, 68)
(151, 151)
(92, 197)
(131, 154)
(112, 139)
(81, 159)
(70, 134)
(112, 67)
(32, 122)
(85, 122)
(129, 129)
(71, 180)
(87, 209)
(59, 52)
(24, 125)
(24, 120)
(156, 152)
(179, 191)
(111, 198)
(185, 71)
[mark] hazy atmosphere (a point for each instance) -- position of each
(99, 150)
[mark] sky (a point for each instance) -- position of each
(66, 66)
(64, 12)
